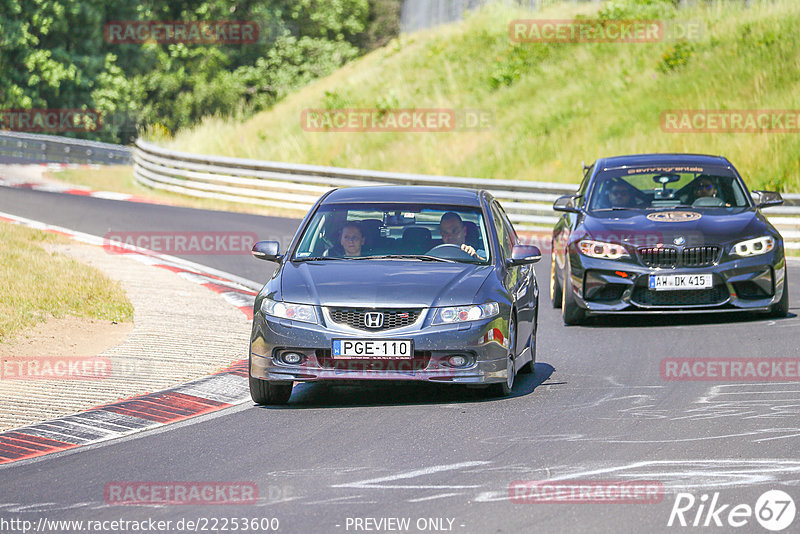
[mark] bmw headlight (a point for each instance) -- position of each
(286, 310)
(462, 314)
(754, 247)
(602, 250)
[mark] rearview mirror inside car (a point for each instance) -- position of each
(525, 254)
(666, 178)
(267, 250)
(765, 199)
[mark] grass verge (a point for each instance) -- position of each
(37, 285)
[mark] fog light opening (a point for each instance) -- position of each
(458, 360)
(292, 358)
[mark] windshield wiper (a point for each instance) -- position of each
(616, 208)
(421, 257)
(669, 207)
(319, 258)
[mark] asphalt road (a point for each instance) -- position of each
(596, 409)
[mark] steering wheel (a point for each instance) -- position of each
(449, 251)
(708, 202)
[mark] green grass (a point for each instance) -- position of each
(554, 105)
(37, 285)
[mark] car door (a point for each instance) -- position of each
(519, 280)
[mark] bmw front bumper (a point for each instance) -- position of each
(739, 284)
(484, 343)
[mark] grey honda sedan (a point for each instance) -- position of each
(396, 283)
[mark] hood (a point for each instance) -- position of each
(374, 283)
(695, 226)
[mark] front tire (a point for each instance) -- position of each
(529, 367)
(555, 286)
(264, 392)
(571, 313)
(503, 389)
(781, 309)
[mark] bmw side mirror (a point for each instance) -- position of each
(566, 203)
(524, 255)
(267, 250)
(765, 199)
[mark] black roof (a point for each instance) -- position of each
(638, 160)
(405, 193)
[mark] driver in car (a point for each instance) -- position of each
(705, 188)
(455, 233)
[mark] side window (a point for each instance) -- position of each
(584, 185)
(505, 232)
(512, 234)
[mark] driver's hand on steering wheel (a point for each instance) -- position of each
(469, 250)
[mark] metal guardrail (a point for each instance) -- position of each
(17, 147)
(296, 187)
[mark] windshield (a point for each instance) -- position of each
(666, 187)
(395, 231)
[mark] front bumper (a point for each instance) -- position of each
(483, 342)
(740, 284)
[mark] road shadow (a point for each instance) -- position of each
(666, 319)
(360, 394)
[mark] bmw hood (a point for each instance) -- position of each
(376, 283)
(682, 226)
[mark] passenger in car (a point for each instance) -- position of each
(619, 196)
(454, 232)
(351, 242)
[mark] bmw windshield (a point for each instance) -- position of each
(395, 231)
(667, 187)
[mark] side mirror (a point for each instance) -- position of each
(267, 250)
(524, 255)
(765, 199)
(566, 203)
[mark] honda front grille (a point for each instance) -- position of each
(357, 318)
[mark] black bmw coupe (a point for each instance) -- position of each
(668, 233)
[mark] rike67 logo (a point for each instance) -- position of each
(774, 510)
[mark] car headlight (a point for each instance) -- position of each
(754, 247)
(286, 310)
(602, 250)
(462, 314)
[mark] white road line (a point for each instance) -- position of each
(374, 483)
(432, 497)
